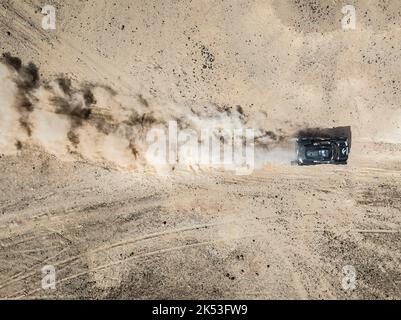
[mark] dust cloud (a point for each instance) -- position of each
(93, 122)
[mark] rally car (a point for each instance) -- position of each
(312, 151)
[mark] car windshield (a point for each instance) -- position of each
(335, 151)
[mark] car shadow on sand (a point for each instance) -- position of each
(335, 132)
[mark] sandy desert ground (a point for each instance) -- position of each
(76, 191)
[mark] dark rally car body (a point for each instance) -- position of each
(322, 150)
